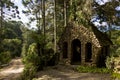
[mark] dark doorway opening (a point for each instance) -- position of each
(76, 52)
(88, 52)
(102, 57)
(65, 50)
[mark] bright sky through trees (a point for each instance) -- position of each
(103, 26)
(102, 2)
(24, 18)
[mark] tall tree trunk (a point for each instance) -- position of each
(38, 33)
(65, 13)
(43, 22)
(44, 31)
(1, 22)
(43, 16)
(55, 28)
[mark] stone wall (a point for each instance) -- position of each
(84, 35)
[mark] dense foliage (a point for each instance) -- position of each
(11, 41)
(36, 45)
(115, 37)
(32, 63)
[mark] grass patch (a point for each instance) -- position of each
(116, 76)
(87, 69)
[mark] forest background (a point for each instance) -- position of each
(36, 41)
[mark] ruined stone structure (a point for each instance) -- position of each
(83, 46)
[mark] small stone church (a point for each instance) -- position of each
(84, 46)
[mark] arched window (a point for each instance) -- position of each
(88, 52)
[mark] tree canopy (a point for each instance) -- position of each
(50, 19)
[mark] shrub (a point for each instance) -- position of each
(110, 62)
(29, 72)
(32, 59)
(49, 57)
(32, 63)
(5, 57)
(14, 46)
(32, 56)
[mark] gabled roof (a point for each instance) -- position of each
(101, 37)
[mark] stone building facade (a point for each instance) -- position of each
(83, 46)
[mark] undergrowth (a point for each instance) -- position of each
(87, 69)
(116, 76)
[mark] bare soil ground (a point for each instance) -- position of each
(60, 72)
(12, 71)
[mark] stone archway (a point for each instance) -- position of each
(76, 52)
(65, 50)
(88, 52)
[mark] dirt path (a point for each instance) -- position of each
(58, 72)
(67, 73)
(12, 71)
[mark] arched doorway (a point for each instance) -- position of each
(88, 52)
(102, 56)
(65, 50)
(76, 52)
